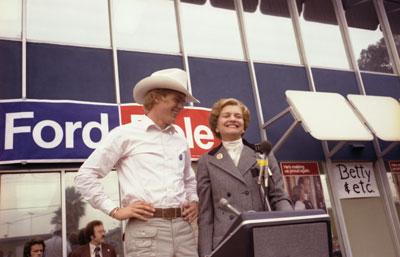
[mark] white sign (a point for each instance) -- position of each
(354, 180)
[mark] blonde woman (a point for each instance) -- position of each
(231, 171)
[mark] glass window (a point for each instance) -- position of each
(211, 32)
(393, 13)
(10, 19)
(30, 206)
(394, 183)
(367, 39)
(148, 25)
(80, 212)
(322, 39)
(69, 21)
(271, 38)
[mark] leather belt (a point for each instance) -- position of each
(168, 213)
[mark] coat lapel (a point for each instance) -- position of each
(87, 251)
(247, 160)
(104, 251)
(223, 161)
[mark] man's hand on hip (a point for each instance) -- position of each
(190, 211)
(139, 210)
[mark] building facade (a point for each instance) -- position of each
(57, 54)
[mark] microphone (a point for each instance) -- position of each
(224, 204)
(264, 147)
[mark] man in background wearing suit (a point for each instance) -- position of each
(96, 247)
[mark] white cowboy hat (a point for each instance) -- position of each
(174, 79)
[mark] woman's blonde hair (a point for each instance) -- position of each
(216, 111)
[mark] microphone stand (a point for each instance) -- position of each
(263, 181)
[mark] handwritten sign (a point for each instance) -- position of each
(354, 180)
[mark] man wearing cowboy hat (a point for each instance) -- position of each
(157, 182)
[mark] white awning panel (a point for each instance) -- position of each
(327, 116)
(380, 113)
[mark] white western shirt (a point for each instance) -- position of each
(153, 165)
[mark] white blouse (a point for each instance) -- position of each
(234, 149)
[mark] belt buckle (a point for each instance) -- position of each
(165, 214)
(169, 213)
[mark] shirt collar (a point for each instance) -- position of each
(146, 123)
(92, 247)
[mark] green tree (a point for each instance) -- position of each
(376, 57)
(75, 209)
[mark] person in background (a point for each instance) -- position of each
(34, 248)
(153, 164)
(96, 247)
(231, 171)
(305, 183)
(54, 243)
(298, 198)
(82, 238)
(77, 239)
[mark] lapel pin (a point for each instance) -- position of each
(220, 156)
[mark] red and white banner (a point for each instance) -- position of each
(193, 122)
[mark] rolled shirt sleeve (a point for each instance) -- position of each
(97, 166)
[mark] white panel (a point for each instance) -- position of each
(327, 116)
(381, 113)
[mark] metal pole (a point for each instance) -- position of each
(337, 207)
(250, 64)
(114, 51)
(344, 30)
(23, 47)
(177, 4)
(300, 43)
(63, 215)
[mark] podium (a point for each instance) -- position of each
(278, 234)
